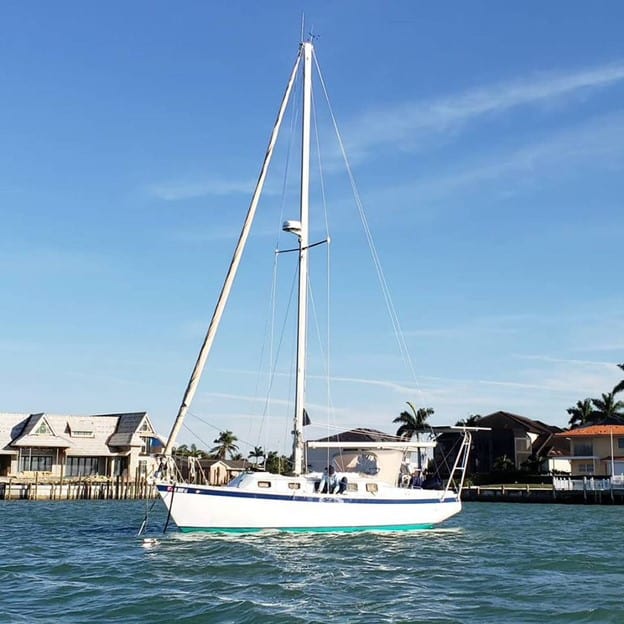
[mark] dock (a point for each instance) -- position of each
(585, 491)
(76, 489)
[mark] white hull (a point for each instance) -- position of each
(236, 508)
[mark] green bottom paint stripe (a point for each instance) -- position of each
(350, 529)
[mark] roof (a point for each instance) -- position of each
(593, 431)
(360, 435)
(95, 436)
(127, 431)
(40, 432)
(507, 420)
(11, 426)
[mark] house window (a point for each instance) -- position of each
(150, 446)
(82, 434)
(43, 429)
(36, 463)
(82, 466)
(586, 468)
(583, 449)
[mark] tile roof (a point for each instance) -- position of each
(592, 431)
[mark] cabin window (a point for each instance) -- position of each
(264, 484)
(294, 486)
(372, 488)
(367, 464)
(36, 463)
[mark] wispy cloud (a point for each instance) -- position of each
(189, 189)
(599, 141)
(403, 124)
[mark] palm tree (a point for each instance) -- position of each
(412, 422)
(470, 421)
(182, 450)
(185, 451)
(277, 464)
(608, 407)
(256, 455)
(619, 387)
(582, 413)
(226, 445)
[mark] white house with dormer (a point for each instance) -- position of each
(106, 445)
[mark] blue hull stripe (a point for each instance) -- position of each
(349, 529)
(305, 499)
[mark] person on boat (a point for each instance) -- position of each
(416, 480)
(329, 481)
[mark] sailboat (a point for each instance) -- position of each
(345, 498)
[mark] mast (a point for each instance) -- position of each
(298, 466)
(231, 274)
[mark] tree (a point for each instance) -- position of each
(619, 387)
(503, 464)
(470, 421)
(185, 451)
(582, 413)
(257, 454)
(412, 422)
(277, 464)
(226, 445)
(608, 407)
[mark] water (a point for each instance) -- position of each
(81, 562)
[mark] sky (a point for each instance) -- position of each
(487, 143)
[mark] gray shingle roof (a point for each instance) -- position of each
(99, 435)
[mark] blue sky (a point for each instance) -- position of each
(487, 141)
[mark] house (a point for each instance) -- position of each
(525, 442)
(77, 446)
(596, 449)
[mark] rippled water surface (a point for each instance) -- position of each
(81, 561)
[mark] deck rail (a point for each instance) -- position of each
(588, 484)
